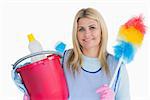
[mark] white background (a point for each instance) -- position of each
(52, 21)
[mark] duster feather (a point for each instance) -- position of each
(132, 31)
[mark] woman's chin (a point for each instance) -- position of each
(88, 47)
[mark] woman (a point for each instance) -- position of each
(88, 67)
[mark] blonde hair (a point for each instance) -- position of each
(75, 55)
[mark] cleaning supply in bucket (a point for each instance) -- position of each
(60, 47)
(35, 46)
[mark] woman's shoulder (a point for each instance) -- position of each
(67, 52)
(111, 58)
(112, 61)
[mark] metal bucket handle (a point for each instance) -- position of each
(35, 54)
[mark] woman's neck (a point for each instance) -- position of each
(91, 52)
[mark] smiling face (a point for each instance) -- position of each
(88, 33)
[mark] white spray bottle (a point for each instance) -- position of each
(35, 46)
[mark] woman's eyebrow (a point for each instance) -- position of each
(92, 25)
(80, 26)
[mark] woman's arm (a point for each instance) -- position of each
(122, 86)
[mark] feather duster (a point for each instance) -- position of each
(130, 37)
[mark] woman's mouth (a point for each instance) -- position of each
(87, 40)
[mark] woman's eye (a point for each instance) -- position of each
(81, 29)
(92, 28)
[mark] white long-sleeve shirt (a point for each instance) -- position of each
(91, 77)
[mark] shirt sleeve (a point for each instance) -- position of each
(123, 92)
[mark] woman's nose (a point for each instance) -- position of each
(87, 32)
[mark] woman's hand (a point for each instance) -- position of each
(106, 93)
(26, 97)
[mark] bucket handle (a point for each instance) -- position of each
(35, 54)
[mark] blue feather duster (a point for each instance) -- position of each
(126, 50)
